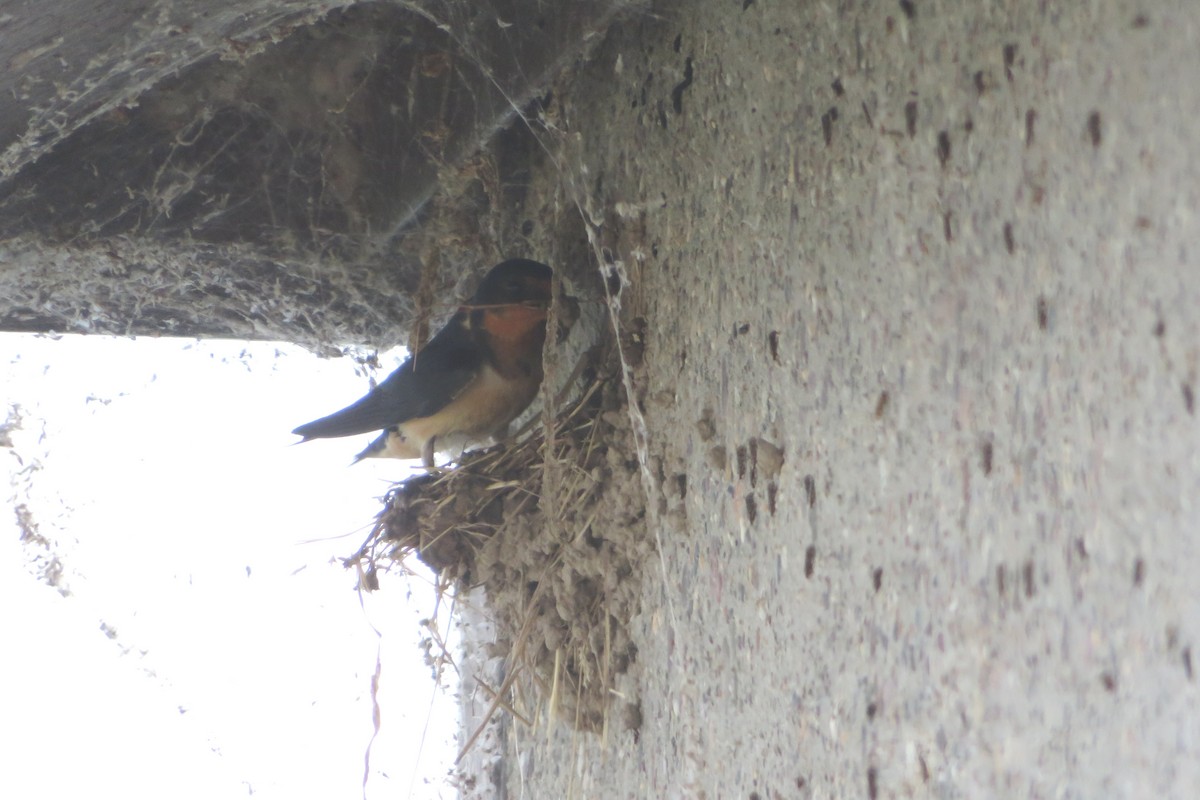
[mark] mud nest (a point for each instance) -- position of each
(557, 537)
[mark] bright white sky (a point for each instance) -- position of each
(242, 659)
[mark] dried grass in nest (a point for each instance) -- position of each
(562, 590)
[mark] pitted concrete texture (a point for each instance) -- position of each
(943, 256)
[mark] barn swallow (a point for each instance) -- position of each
(471, 380)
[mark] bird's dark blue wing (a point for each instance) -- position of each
(419, 388)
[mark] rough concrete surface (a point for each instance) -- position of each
(938, 258)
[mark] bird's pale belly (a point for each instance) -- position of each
(483, 408)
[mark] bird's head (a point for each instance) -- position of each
(517, 281)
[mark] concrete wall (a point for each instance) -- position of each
(943, 255)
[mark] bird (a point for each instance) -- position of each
(474, 377)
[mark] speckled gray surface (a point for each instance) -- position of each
(947, 263)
